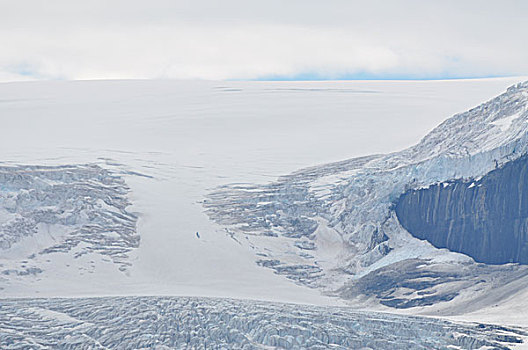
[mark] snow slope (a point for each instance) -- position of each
(174, 142)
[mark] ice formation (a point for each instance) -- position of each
(74, 209)
(349, 206)
(203, 323)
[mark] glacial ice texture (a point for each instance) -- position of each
(203, 323)
(74, 209)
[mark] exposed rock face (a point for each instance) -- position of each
(485, 219)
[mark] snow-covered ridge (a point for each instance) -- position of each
(75, 209)
(350, 202)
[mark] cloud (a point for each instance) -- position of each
(256, 40)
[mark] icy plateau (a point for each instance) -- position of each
(140, 232)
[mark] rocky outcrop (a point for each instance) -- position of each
(485, 219)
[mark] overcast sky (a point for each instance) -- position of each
(265, 39)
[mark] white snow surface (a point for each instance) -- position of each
(173, 142)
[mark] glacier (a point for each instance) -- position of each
(353, 203)
(74, 209)
(207, 323)
(99, 245)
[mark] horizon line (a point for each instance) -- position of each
(282, 79)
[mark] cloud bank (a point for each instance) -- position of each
(234, 39)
